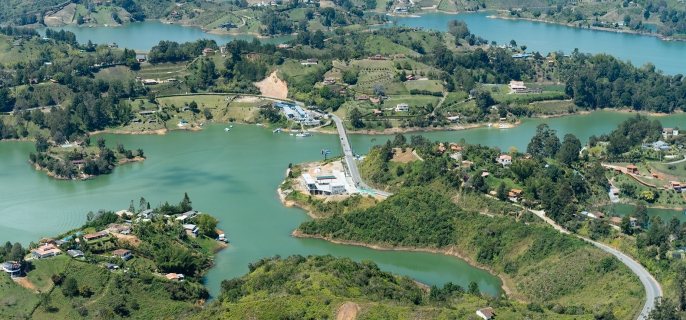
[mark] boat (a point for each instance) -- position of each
(277, 130)
(227, 129)
(490, 125)
(303, 134)
(231, 126)
(502, 126)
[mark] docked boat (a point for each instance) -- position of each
(227, 129)
(303, 134)
(277, 130)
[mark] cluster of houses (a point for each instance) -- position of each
(296, 113)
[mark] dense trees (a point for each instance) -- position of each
(544, 143)
(632, 132)
(170, 51)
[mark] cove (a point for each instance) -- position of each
(547, 37)
(144, 35)
(234, 176)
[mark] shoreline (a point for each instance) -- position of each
(452, 252)
(575, 26)
(506, 283)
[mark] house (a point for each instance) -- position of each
(455, 147)
(75, 253)
(660, 146)
(514, 195)
(95, 236)
(375, 100)
(676, 186)
(191, 229)
(377, 57)
(207, 52)
(441, 148)
(362, 97)
(410, 77)
(517, 86)
(453, 119)
(504, 159)
(325, 185)
(485, 313)
(46, 251)
(402, 107)
(12, 268)
(283, 46)
(667, 132)
(329, 80)
(123, 254)
(146, 214)
(119, 228)
(310, 62)
(124, 213)
(150, 82)
(141, 57)
(174, 276)
(111, 266)
(378, 112)
(632, 169)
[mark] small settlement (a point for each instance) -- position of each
(297, 114)
(326, 180)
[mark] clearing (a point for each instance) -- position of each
(347, 311)
(273, 87)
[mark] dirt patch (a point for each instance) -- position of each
(131, 239)
(347, 311)
(273, 87)
(404, 156)
(62, 17)
(247, 99)
(26, 283)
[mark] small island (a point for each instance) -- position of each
(80, 160)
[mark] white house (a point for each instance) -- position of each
(504, 159)
(402, 107)
(517, 86)
(12, 268)
(485, 313)
(667, 132)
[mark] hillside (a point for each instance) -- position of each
(558, 272)
(324, 287)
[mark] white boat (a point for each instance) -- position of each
(231, 126)
(490, 125)
(502, 126)
(227, 129)
(277, 130)
(303, 134)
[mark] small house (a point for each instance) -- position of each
(632, 169)
(504, 159)
(124, 213)
(141, 57)
(283, 46)
(670, 132)
(12, 268)
(310, 62)
(441, 148)
(486, 313)
(375, 100)
(46, 251)
(517, 86)
(191, 230)
(123, 254)
(455, 147)
(111, 266)
(378, 112)
(362, 97)
(174, 276)
(146, 214)
(207, 52)
(676, 186)
(402, 107)
(514, 195)
(75, 253)
(329, 80)
(95, 236)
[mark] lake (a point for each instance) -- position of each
(546, 37)
(144, 35)
(537, 36)
(234, 176)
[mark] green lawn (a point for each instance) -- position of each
(15, 301)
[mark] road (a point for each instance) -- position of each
(350, 161)
(652, 287)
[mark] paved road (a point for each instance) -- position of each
(350, 161)
(652, 287)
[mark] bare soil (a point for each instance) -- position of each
(273, 87)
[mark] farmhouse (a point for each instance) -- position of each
(174, 276)
(517, 86)
(632, 169)
(485, 313)
(667, 132)
(95, 236)
(207, 52)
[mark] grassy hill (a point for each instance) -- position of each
(556, 272)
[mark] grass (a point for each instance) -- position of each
(40, 276)
(163, 71)
(15, 301)
(425, 85)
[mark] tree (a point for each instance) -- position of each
(569, 150)
(186, 204)
(317, 39)
(473, 288)
(641, 215)
(664, 310)
(41, 144)
(501, 192)
(70, 287)
(626, 225)
(544, 143)
(207, 225)
(484, 101)
(355, 117)
(351, 75)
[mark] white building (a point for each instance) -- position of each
(517, 86)
(504, 159)
(326, 184)
(402, 107)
